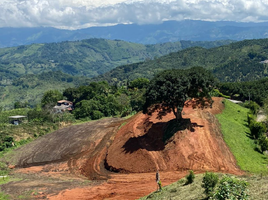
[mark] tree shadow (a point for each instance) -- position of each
(158, 135)
(258, 150)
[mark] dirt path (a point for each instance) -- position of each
(98, 149)
(121, 187)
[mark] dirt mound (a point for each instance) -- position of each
(98, 149)
(138, 146)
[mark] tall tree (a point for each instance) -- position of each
(171, 88)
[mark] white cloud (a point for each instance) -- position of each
(74, 14)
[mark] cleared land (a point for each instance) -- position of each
(119, 157)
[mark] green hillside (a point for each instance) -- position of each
(89, 57)
(238, 61)
(30, 88)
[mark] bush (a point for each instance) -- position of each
(253, 106)
(190, 177)
(231, 188)
(257, 129)
(96, 115)
(209, 182)
(263, 142)
(250, 118)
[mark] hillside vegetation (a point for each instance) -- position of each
(236, 134)
(181, 191)
(89, 58)
(239, 61)
(30, 88)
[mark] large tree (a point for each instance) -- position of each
(171, 88)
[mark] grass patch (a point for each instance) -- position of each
(257, 189)
(235, 131)
(4, 196)
(179, 190)
(7, 179)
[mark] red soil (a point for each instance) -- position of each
(137, 151)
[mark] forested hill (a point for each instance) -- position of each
(239, 61)
(89, 58)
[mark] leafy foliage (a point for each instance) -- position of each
(263, 142)
(172, 88)
(231, 188)
(190, 177)
(209, 182)
(257, 129)
(51, 97)
(252, 90)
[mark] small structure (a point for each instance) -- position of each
(17, 119)
(235, 101)
(264, 62)
(62, 106)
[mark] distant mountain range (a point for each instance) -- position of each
(169, 31)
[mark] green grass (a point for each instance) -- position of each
(235, 131)
(4, 196)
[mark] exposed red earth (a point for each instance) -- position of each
(120, 157)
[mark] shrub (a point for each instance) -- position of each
(190, 177)
(231, 188)
(257, 129)
(263, 142)
(96, 115)
(209, 182)
(250, 118)
(253, 106)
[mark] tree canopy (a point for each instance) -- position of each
(51, 97)
(171, 89)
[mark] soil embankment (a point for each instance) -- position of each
(135, 150)
(138, 146)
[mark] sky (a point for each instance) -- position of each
(77, 14)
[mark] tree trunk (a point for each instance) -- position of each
(178, 116)
(177, 113)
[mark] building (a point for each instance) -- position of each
(17, 119)
(62, 106)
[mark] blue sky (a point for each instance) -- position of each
(75, 14)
